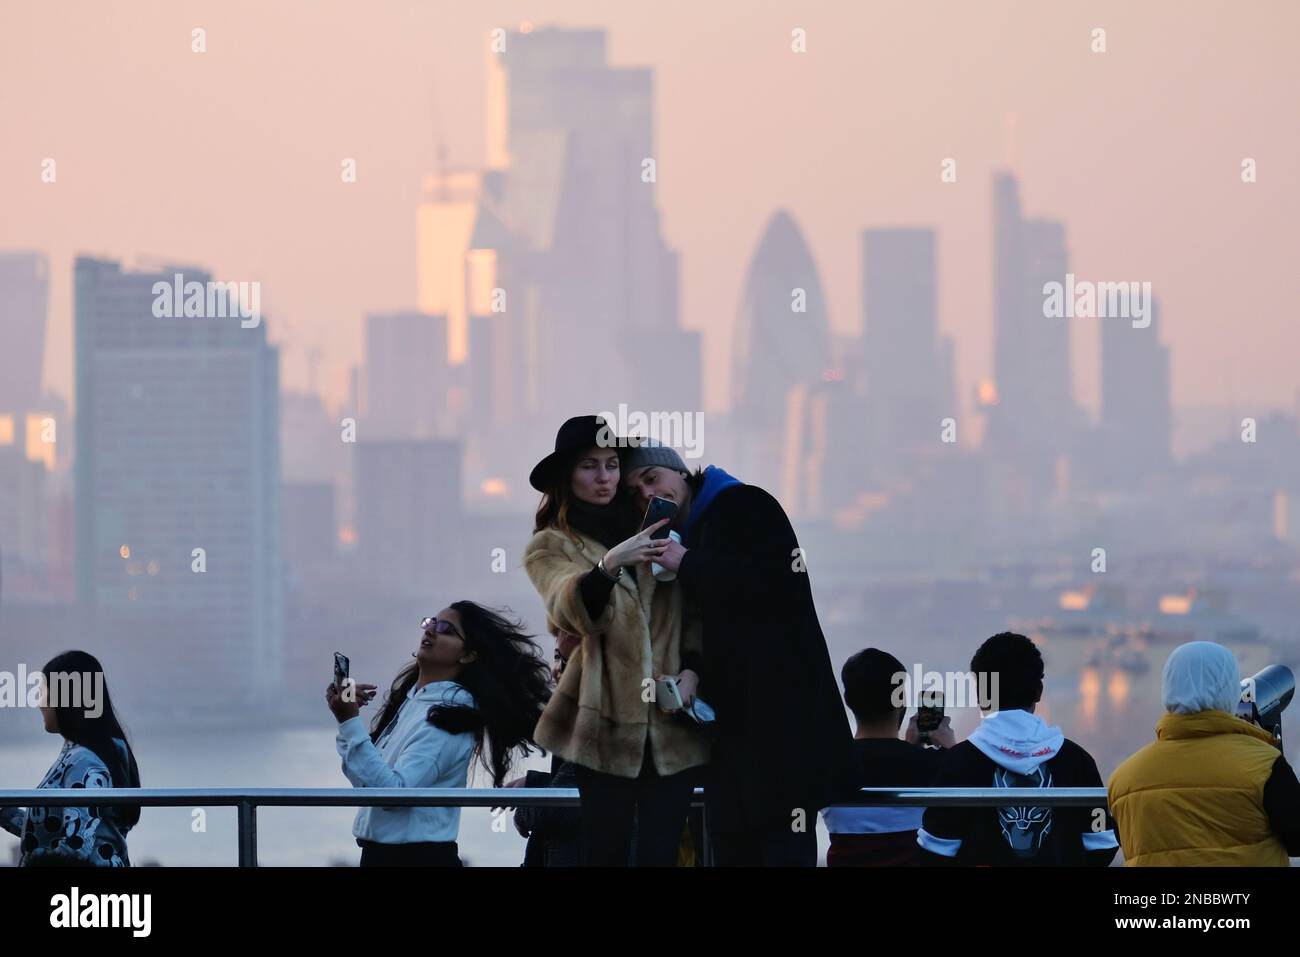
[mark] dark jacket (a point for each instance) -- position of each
(1022, 834)
(783, 737)
(882, 836)
(554, 833)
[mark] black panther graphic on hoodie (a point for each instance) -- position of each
(1017, 749)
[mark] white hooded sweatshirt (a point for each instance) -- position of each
(1018, 740)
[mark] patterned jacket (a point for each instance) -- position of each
(71, 836)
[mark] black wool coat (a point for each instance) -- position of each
(783, 743)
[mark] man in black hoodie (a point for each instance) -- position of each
(783, 738)
(1014, 748)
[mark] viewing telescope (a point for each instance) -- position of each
(1264, 696)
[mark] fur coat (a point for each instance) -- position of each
(599, 716)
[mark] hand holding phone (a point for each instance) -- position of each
(929, 714)
(657, 511)
(666, 694)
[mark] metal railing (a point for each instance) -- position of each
(246, 801)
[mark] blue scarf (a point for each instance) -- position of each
(715, 481)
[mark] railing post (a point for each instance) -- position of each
(247, 834)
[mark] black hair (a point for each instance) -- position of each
(96, 733)
(510, 682)
(1018, 664)
(871, 682)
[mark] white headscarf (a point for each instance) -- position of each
(1200, 676)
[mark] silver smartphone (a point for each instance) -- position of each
(666, 694)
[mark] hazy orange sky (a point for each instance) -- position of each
(230, 159)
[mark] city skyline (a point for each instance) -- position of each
(965, 320)
(862, 434)
(1212, 365)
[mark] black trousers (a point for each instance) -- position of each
(779, 847)
(613, 807)
(430, 854)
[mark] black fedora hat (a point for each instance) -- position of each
(578, 433)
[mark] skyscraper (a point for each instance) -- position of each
(308, 527)
(1048, 373)
(1135, 407)
(449, 228)
(408, 387)
(408, 514)
(575, 138)
(24, 508)
(847, 466)
(24, 288)
(25, 455)
(781, 356)
(177, 494)
(905, 362)
(1035, 419)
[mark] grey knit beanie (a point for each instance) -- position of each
(649, 452)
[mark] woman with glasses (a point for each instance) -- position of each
(477, 679)
(632, 759)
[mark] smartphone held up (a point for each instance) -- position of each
(657, 511)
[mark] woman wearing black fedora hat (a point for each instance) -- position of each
(590, 566)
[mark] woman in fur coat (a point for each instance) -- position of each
(592, 572)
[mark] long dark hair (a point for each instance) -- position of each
(553, 511)
(510, 682)
(96, 733)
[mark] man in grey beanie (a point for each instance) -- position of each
(648, 452)
(783, 740)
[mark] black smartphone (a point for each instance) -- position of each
(929, 713)
(341, 668)
(657, 511)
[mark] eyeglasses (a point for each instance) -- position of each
(441, 627)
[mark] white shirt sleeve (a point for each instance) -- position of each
(341, 744)
(416, 766)
(943, 846)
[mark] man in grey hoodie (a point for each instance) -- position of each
(1014, 748)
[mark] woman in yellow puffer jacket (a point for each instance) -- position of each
(1212, 790)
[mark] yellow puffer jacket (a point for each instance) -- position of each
(1194, 797)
